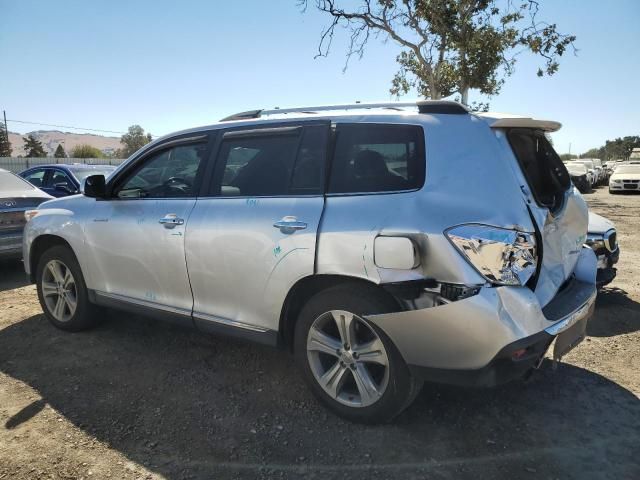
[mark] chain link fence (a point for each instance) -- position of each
(18, 164)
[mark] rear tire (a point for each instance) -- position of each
(62, 291)
(350, 364)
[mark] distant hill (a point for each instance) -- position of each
(52, 138)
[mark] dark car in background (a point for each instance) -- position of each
(16, 196)
(63, 180)
(602, 238)
(579, 176)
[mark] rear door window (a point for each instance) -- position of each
(370, 158)
(546, 175)
(271, 162)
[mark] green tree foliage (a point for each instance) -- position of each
(134, 140)
(33, 147)
(620, 148)
(568, 156)
(449, 46)
(60, 153)
(5, 144)
(86, 151)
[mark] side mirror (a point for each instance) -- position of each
(95, 186)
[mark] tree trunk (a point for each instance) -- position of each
(464, 94)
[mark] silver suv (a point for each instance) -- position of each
(383, 244)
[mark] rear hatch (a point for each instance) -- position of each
(559, 211)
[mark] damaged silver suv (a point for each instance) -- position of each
(384, 244)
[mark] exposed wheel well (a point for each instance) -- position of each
(41, 245)
(306, 288)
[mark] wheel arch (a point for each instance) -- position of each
(307, 287)
(40, 245)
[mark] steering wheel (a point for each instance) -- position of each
(170, 182)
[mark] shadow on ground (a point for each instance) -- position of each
(187, 406)
(616, 313)
(12, 275)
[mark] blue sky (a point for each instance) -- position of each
(168, 65)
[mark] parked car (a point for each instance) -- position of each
(625, 178)
(16, 196)
(604, 172)
(60, 180)
(579, 176)
(364, 255)
(591, 169)
(602, 238)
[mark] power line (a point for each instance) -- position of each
(65, 126)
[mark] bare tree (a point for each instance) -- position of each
(448, 46)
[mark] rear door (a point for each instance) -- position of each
(254, 234)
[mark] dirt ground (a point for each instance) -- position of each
(138, 399)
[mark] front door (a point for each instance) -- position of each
(137, 235)
(254, 235)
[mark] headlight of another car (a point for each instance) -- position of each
(502, 256)
(29, 214)
(616, 181)
(595, 241)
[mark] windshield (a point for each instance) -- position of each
(576, 168)
(81, 175)
(9, 181)
(628, 169)
(588, 164)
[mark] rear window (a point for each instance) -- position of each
(545, 173)
(370, 158)
(9, 181)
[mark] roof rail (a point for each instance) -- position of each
(424, 106)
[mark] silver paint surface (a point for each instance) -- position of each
(228, 263)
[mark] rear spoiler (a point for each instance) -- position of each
(523, 122)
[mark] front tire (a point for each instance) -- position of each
(62, 292)
(351, 366)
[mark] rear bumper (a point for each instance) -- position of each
(495, 336)
(11, 245)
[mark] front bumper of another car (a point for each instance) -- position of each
(495, 336)
(607, 250)
(624, 185)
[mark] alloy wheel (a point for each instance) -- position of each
(59, 290)
(347, 358)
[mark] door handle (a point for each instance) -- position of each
(289, 225)
(170, 220)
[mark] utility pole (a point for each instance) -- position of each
(4, 114)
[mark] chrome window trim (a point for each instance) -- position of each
(262, 132)
(388, 192)
(246, 197)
